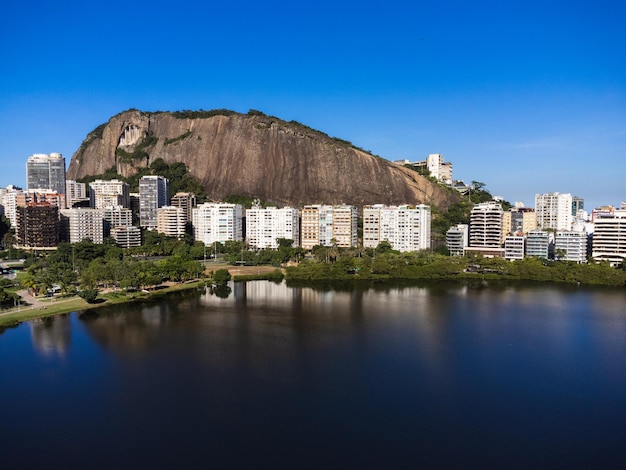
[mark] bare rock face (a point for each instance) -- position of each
(253, 155)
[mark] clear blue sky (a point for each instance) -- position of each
(527, 97)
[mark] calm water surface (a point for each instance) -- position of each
(437, 376)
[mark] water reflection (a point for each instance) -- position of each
(51, 336)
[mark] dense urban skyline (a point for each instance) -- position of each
(527, 100)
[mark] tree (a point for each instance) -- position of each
(89, 295)
(221, 277)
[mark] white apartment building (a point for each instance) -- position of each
(81, 223)
(264, 226)
(486, 225)
(538, 244)
(571, 246)
(609, 237)
(171, 221)
(457, 239)
(107, 193)
(74, 192)
(9, 202)
(406, 228)
(126, 236)
(514, 247)
(439, 169)
(217, 222)
(325, 225)
(153, 193)
(554, 210)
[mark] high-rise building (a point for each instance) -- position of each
(609, 237)
(554, 210)
(109, 193)
(171, 221)
(406, 227)
(75, 192)
(82, 223)
(538, 244)
(514, 247)
(9, 202)
(578, 204)
(153, 193)
(126, 237)
(519, 221)
(457, 239)
(264, 226)
(217, 222)
(46, 172)
(327, 225)
(571, 246)
(38, 225)
(486, 225)
(186, 201)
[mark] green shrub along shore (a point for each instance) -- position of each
(432, 266)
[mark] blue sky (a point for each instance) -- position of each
(527, 97)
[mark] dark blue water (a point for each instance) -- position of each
(442, 376)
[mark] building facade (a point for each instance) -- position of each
(609, 237)
(186, 201)
(126, 236)
(214, 222)
(109, 193)
(485, 228)
(519, 221)
(538, 244)
(554, 211)
(153, 193)
(571, 246)
(457, 239)
(46, 172)
(75, 192)
(171, 221)
(406, 227)
(264, 226)
(514, 247)
(327, 225)
(79, 224)
(38, 225)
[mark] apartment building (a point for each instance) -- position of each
(38, 225)
(186, 201)
(326, 225)
(217, 222)
(457, 239)
(571, 246)
(519, 220)
(126, 236)
(75, 192)
(171, 221)
(46, 172)
(406, 227)
(153, 193)
(538, 243)
(514, 247)
(554, 211)
(109, 193)
(78, 224)
(609, 237)
(264, 226)
(486, 225)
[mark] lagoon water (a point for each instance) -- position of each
(422, 376)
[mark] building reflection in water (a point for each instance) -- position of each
(51, 336)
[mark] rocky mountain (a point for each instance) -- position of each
(253, 155)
